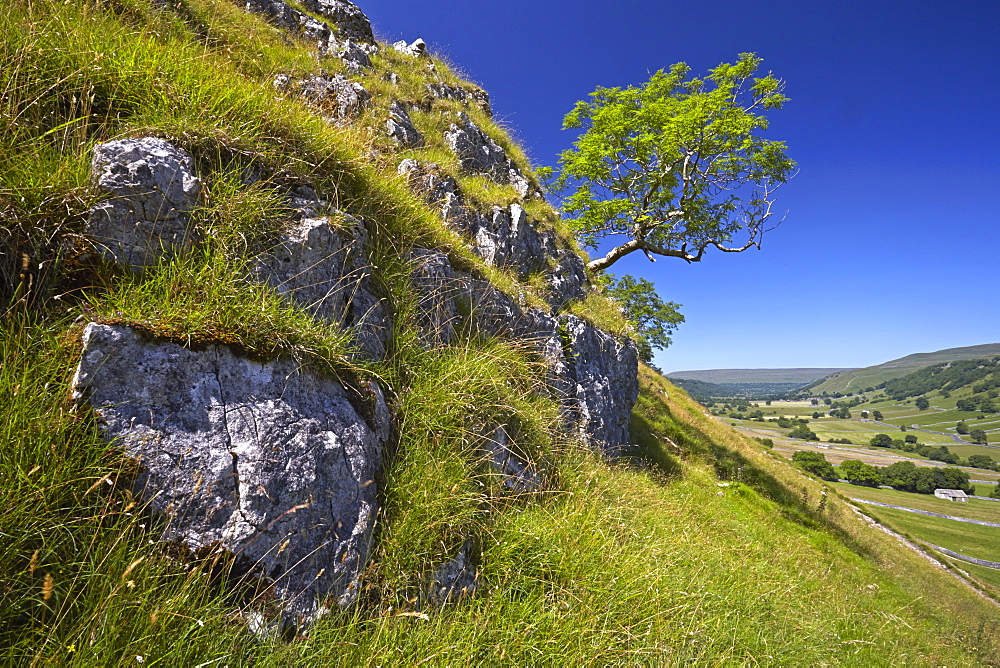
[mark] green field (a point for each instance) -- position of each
(975, 509)
(972, 540)
(858, 379)
(989, 576)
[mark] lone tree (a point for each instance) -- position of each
(675, 166)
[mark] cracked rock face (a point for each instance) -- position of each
(152, 190)
(343, 98)
(324, 269)
(442, 91)
(400, 127)
(351, 21)
(505, 237)
(267, 461)
(605, 372)
(479, 154)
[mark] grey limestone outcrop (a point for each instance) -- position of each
(337, 96)
(351, 39)
(150, 189)
(322, 266)
(351, 21)
(416, 48)
(400, 127)
(504, 237)
(591, 373)
(267, 461)
(442, 91)
(605, 374)
(478, 153)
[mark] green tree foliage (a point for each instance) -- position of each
(962, 428)
(860, 473)
(908, 477)
(978, 436)
(814, 463)
(983, 462)
(910, 438)
(995, 492)
(677, 165)
(877, 415)
(881, 441)
(922, 403)
(981, 374)
(653, 319)
(803, 432)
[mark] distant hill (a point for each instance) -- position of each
(757, 376)
(855, 380)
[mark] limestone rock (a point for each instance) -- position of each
(324, 269)
(479, 154)
(400, 127)
(442, 91)
(454, 579)
(351, 21)
(436, 287)
(338, 95)
(265, 460)
(416, 49)
(519, 475)
(354, 56)
(567, 280)
(605, 372)
(504, 237)
(352, 42)
(286, 17)
(153, 188)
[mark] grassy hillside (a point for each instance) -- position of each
(856, 380)
(705, 548)
(755, 376)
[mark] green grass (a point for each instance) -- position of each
(972, 540)
(975, 509)
(706, 548)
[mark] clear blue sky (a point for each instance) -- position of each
(891, 242)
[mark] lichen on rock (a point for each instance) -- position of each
(267, 461)
(150, 189)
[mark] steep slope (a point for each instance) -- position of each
(857, 380)
(254, 261)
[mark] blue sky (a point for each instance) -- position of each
(891, 241)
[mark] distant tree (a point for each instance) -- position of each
(814, 402)
(675, 166)
(995, 492)
(864, 415)
(922, 403)
(815, 463)
(962, 428)
(827, 401)
(817, 415)
(982, 462)
(978, 436)
(860, 473)
(881, 441)
(877, 415)
(910, 438)
(965, 405)
(653, 319)
(767, 402)
(804, 433)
